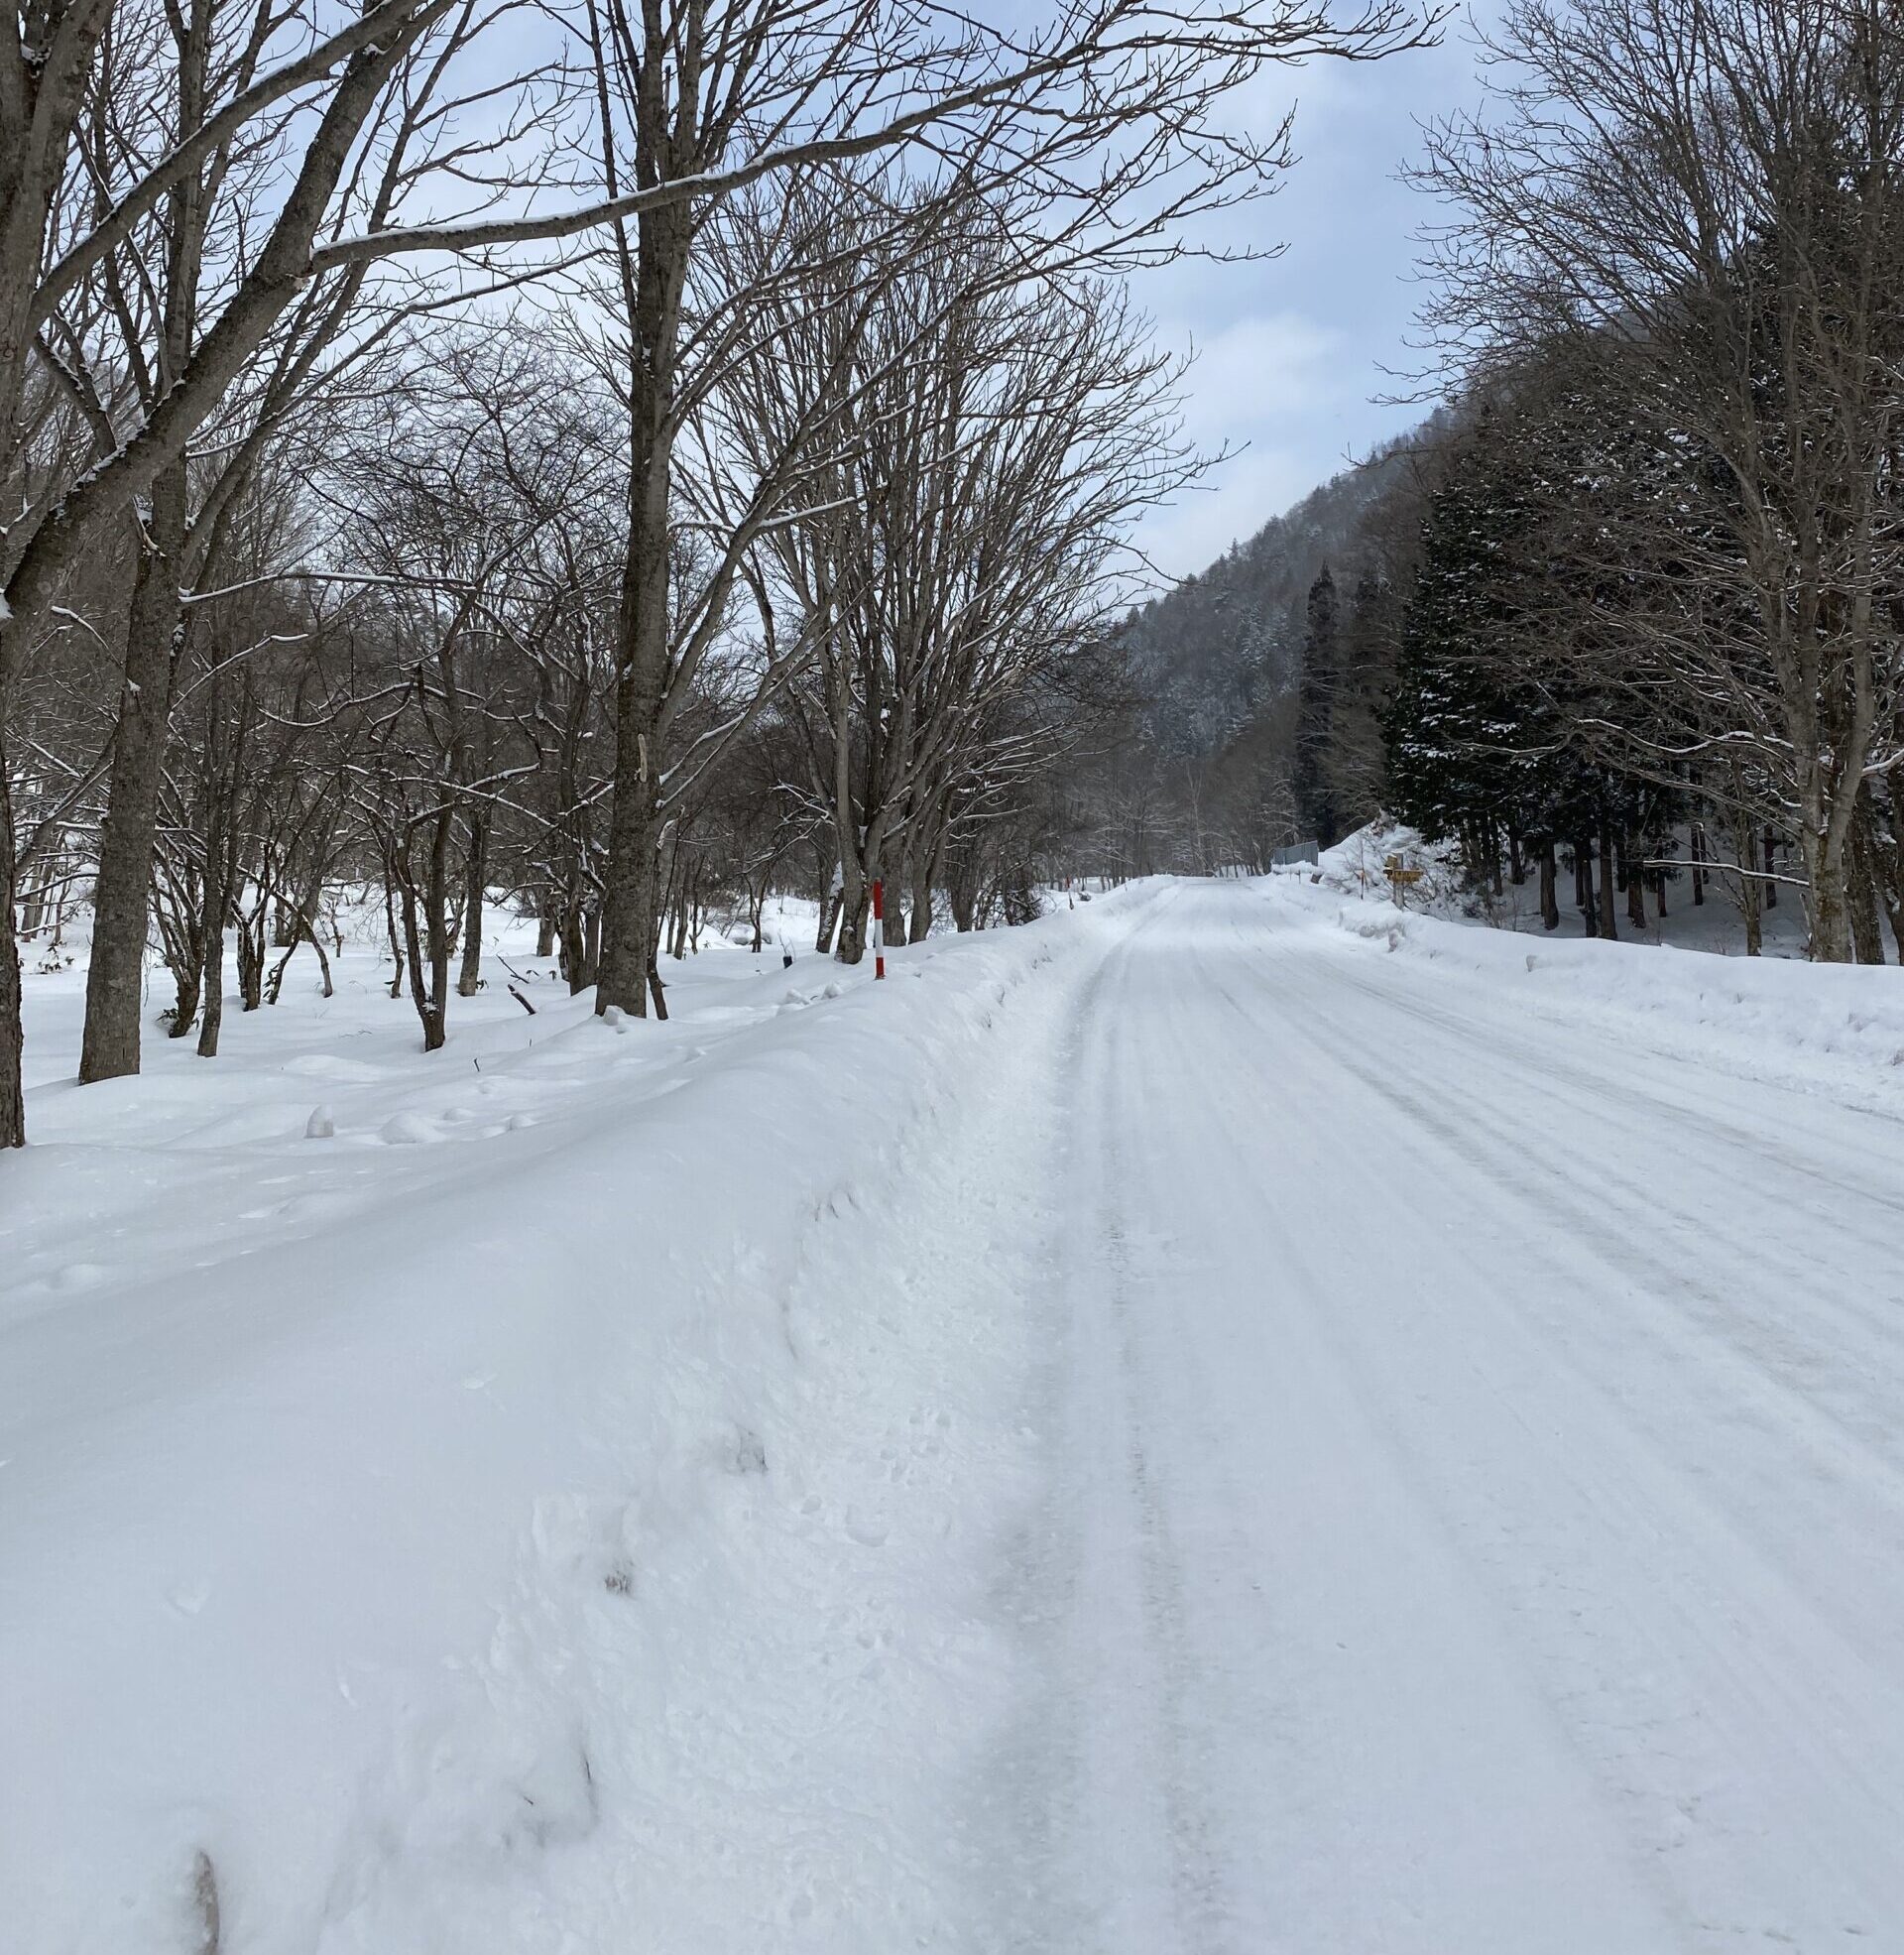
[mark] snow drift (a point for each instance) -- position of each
(1835, 1030)
(442, 1534)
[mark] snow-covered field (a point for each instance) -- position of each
(1355, 866)
(1831, 1028)
(1227, 1420)
(555, 1513)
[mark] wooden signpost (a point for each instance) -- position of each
(1401, 875)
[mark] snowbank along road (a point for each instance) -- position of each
(1185, 1428)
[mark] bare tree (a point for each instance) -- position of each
(1698, 199)
(150, 280)
(1106, 115)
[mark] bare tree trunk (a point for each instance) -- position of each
(217, 905)
(630, 923)
(115, 978)
(413, 968)
(856, 904)
(855, 898)
(1549, 898)
(1751, 890)
(182, 925)
(251, 950)
(1891, 891)
(963, 892)
(188, 979)
(1607, 872)
(669, 871)
(395, 942)
(475, 878)
(575, 944)
(436, 915)
(655, 277)
(1868, 930)
(275, 981)
(421, 993)
(13, 1110)
(304, 931)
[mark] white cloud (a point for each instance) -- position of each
(1297, 352)
(1257, 370)
(1233, 503)
(1283, 392)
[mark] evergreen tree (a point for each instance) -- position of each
(1316, 806)
(1452, 728)
(1497, 727)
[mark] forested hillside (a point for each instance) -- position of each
(1627, 619)
(1219, 649)
(1202, 770)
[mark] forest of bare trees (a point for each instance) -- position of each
(1671, 277)
(606, 460)
(586, 457)
(1627, 612)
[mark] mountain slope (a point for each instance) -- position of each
(1222, 647)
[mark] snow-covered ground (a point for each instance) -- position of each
(1835, 1030)
(1227, 1420)
(1355, 866)
(557, 1512)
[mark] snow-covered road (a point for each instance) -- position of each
(1227, 1423)
(1478, 1481)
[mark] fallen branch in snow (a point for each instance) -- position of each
(1714, 868)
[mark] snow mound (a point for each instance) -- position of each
(480, 1548)
(1835, 1030)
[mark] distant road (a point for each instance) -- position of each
(1478, 1506)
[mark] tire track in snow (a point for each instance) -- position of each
(1252, 1735)
(1102, 1584)
(1587, 1191)
(1731, 1650)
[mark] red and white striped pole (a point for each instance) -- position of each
(879, 929)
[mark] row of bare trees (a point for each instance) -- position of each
(230, 234)
(1666, 552)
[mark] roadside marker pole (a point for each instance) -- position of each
(879, 929)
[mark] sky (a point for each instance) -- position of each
(1291, 352)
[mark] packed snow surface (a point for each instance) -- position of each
(1230, 1420)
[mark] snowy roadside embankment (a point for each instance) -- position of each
(573, 1536)
(1826, 1028)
